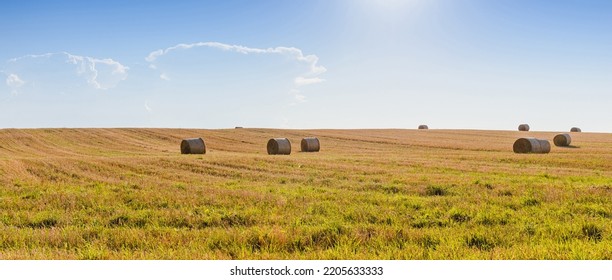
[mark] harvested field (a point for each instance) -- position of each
(372, 194)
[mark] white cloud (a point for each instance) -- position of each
(46, 55)
(298, 96)
(295, 53)
(88, 67)
(311, 62)
(14, 82)
(301, 81)
(100, 73)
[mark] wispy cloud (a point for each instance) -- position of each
(297, 96)
(311, 61)
(46, 55)
(88, 67)
(100, 73)
(301, 81)
(14, 82)
(295, 53)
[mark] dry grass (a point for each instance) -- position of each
(369, 194)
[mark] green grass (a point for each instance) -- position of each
(382, 194)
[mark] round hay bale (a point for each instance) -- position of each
(193, 146)
(575, 129)
(310, 144)
(562, 140)
(523, 127)
(423, 126)
(279, 146)
(531, 145)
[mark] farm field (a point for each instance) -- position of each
(368, 194)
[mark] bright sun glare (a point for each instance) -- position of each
(389, 9)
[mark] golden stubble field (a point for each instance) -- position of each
(369, 194)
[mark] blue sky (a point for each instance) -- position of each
(471, 64)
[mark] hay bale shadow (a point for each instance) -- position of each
(570, 147)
